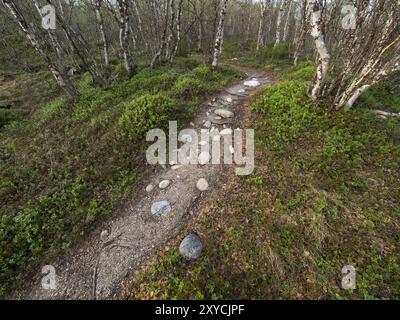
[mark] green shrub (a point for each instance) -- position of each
(304, 71)
(67, 165)
(274, 53)
(287, 111)
(381, 96)
(188, 86)
(205, 73)
(8, 115)
(186, 64)
(340, 143)
(145, 113)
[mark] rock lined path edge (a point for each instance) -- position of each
(97, 268)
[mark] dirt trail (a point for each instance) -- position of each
(97, 269)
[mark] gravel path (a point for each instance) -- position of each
(97, 268)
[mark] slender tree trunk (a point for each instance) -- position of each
(279, 22)
(201, 28)
(369, 75)
(168, 50)
(82, 49)
(260, 38)
(63, 83)
(163, 44)
(123, 6)
(221, 47)
(140, 25)
(248, 28)
(220, 34)
(317, 23)
(100, 23)
(286, 28)
(302, 31)
(178, 31)
(53, 37)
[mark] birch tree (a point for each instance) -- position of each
(263, 11)
(52, 35)
(281, 14)
(124, 31)
(23, 25)
(287, 23)
(100, 24)
(178, 31)
(301, 33)
(163, 45)
(220, 34)
(317, 24)
(364, 54)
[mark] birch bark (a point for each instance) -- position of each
(317, 24)
(260, 37)
(63, 83)
(220, 34)
(100, 23)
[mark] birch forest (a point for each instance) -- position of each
(314, 84)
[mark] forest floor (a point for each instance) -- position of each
(324, 195)
(97, 268)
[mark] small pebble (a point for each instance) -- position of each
(164, 184)
(202, 185)
(149, 188)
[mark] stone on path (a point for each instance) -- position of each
(207, 124)
(204, 158)
(161, 208)
(252, 83)
(104, 235)
(191, 247)
(149, 188)
(224, 113)
(176, 167)
(164, 184)
(202, 185)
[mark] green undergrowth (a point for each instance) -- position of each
(268, 57)
(67, 165)
(324, 195)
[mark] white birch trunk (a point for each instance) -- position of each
(178, 31)
(260, 37)
(100, 23)
(53, 38)
(16, 13)
(316, 7)
(279, 22)
(123, 6)
(220, 35)
(163, 44)
(286, 28)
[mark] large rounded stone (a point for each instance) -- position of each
(164, 184)
(252, 83)
(224, 113)
(202, 185)
(149, 188)
(161, 208)
(191, 247)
